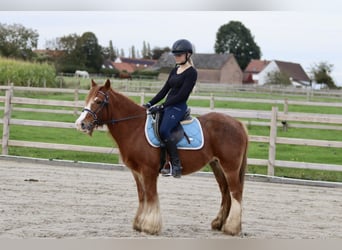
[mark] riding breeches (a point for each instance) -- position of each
(172, 115)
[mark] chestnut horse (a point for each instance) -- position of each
(224, 149)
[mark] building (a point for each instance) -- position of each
(294, 71)
(251, 73)
(129, 65)
(211, 68)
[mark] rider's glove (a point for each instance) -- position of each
(156, 109)
(147, 105)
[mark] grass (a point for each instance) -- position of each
(256, 150)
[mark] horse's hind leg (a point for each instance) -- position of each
(222, 215)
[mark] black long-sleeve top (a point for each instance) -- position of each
(177, 87)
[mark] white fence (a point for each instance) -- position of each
(275, 119)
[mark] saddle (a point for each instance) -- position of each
(178, 132)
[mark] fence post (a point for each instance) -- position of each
(142, 98)
(286, 109)
(6, 120)
(76, 97)
(272, 143)
(212, 101)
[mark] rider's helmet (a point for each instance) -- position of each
(181, 46)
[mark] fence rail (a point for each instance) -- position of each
(274, 117)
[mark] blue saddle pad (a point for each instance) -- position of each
(193, 129)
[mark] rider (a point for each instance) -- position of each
(177, 88)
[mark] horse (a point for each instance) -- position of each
(81, 73)
(123, 75)
(224, 149)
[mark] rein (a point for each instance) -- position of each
(104, 103)
(113, 121)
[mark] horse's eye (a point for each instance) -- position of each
(97, 101)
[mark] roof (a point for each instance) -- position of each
(129, 64)
(201, 61)
(124, 67)
(136, 61)
(50, 52)
(256, 66)
(293, 70)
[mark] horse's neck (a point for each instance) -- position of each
(121, 107)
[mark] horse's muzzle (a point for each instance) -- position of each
(86, 127)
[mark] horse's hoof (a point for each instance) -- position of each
(216, 224)
(232, 231)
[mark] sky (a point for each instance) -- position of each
(303, 36)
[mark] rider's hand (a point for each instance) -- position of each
(147, 105)
(156, 109)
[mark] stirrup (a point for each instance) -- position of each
(166, 171)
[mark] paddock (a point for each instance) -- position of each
(73, 201)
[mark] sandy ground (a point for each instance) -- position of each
(44, 201)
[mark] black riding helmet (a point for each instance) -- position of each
(182, 46)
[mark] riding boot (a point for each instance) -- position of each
(176, 168)
(162, 168)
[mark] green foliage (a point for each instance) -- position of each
(157, 52)
(321, 74)
(82, 53)
(16, 41)
(23, 73)
(145, 74)
(236, 39)
(278, 78)
(89, 52)
(109, 72)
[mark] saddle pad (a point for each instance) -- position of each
(192, 129)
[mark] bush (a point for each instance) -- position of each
(145, 74)
(23, 73)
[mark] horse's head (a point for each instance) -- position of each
(95, 110)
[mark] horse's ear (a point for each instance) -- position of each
(107, 84)
(93, 83)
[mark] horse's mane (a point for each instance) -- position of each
(122, 102)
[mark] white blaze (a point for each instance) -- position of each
(81, 117)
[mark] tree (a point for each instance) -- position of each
(321, 74)
(88, 52)
(157, 52)
(17, 41)
(132, 52)
(109, 52)
(235, 38)
(67, 43)
(278, 78)
(146, 51)
(69, 61)
(112, 53)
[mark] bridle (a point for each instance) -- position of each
(104, 103)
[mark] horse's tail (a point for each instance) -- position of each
(243, 166)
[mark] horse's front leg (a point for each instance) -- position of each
(141, 196)
(148, 218)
